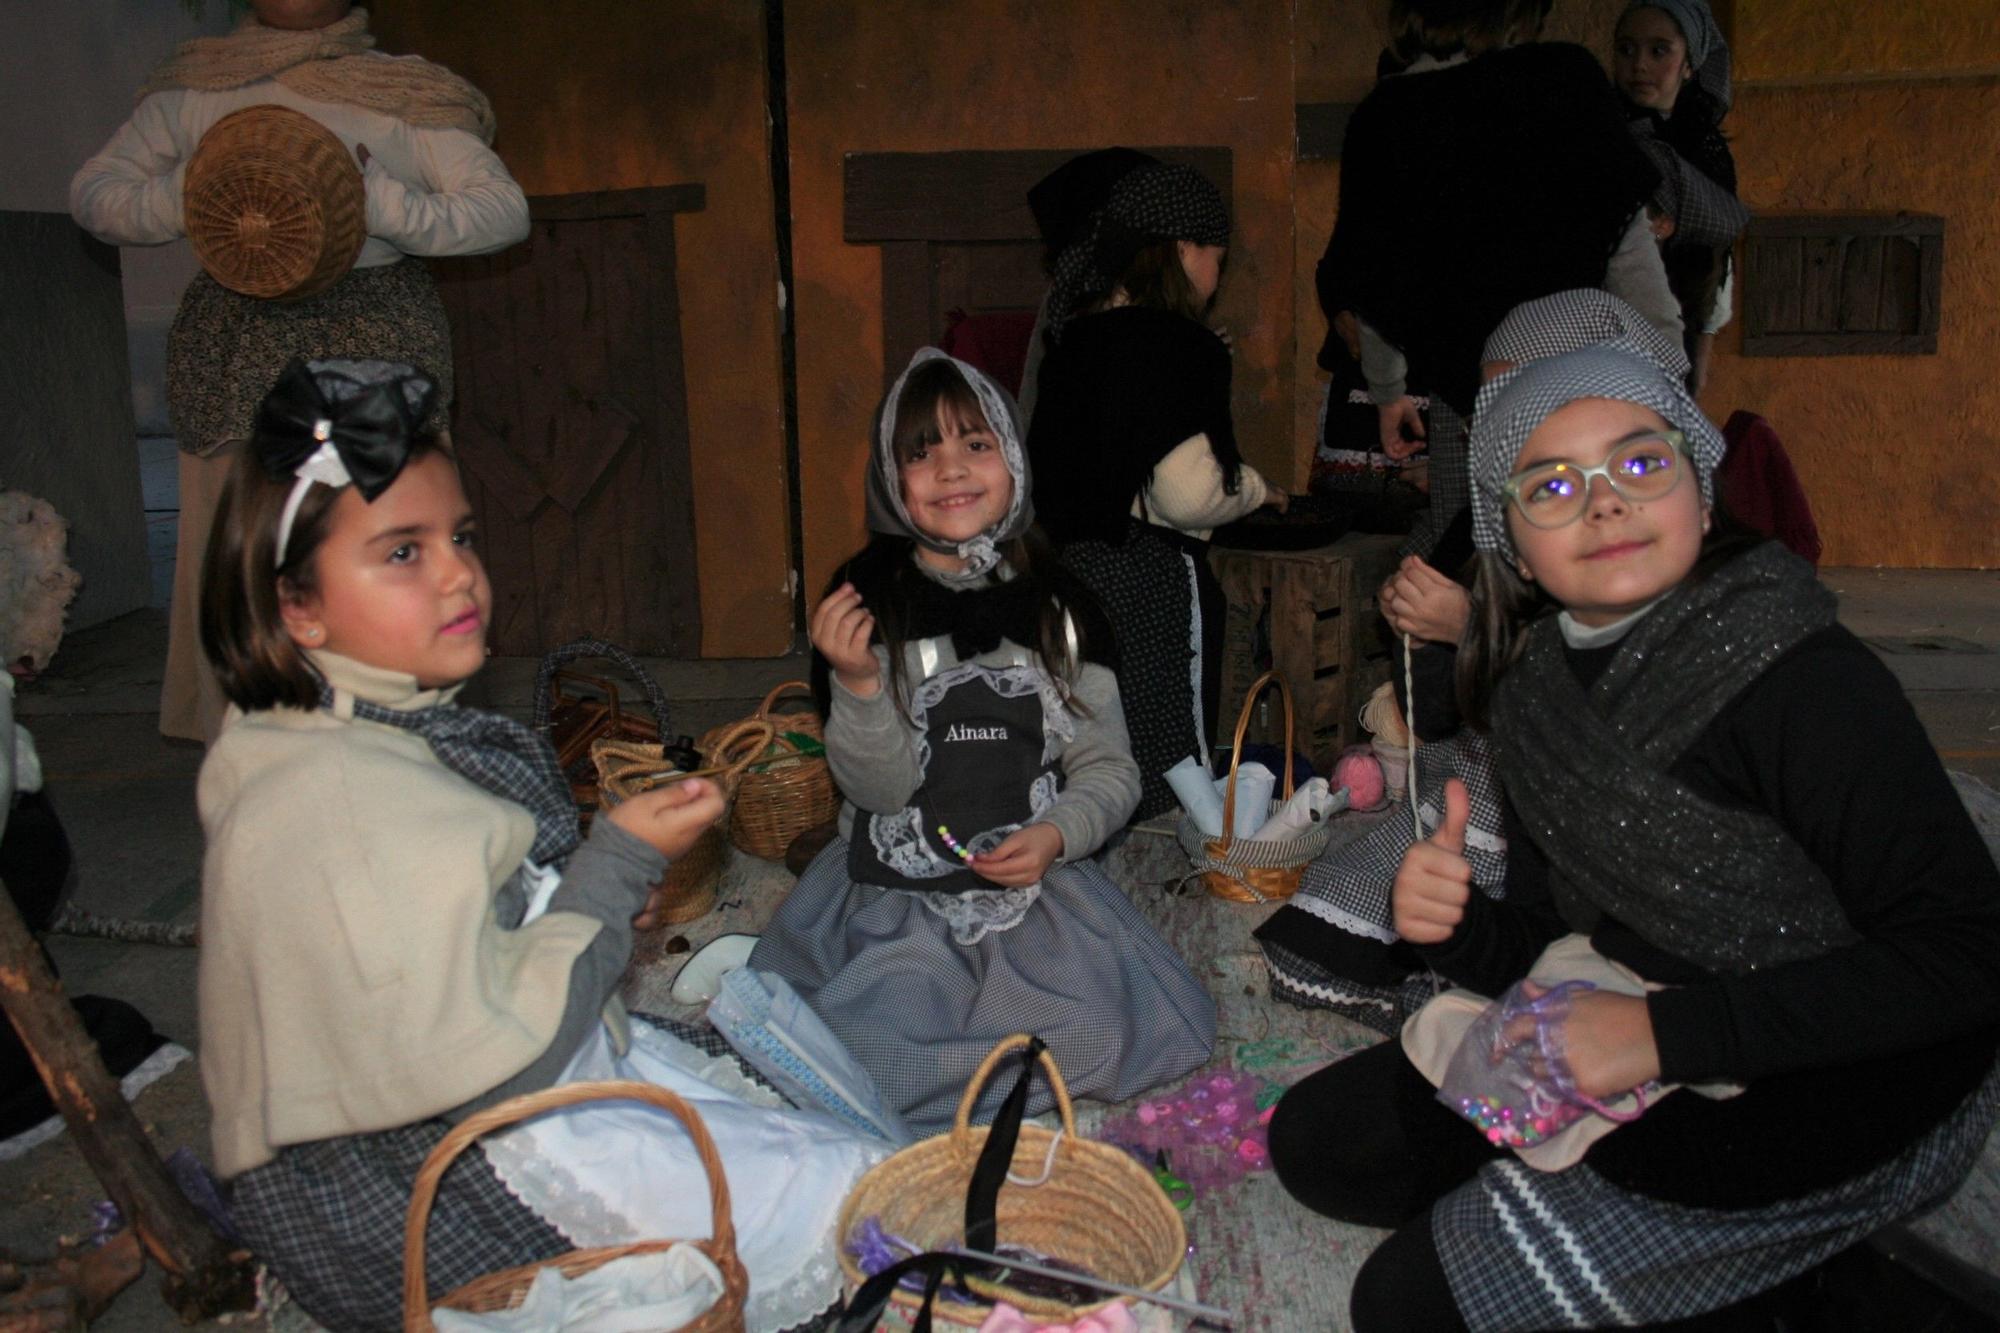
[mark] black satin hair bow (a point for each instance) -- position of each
(372, 409)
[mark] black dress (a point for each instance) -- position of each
(1120, 390)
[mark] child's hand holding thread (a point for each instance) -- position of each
(841, 628)
(671, 817)
(1435, 880)
(1022, 858)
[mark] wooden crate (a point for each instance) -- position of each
(1311, 616)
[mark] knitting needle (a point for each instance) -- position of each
(1085, 1280)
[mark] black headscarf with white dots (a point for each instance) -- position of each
(1164, 201)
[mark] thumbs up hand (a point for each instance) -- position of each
(1435, 879)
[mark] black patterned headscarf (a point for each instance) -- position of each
(1165, 201)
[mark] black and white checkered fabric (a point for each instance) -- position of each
(327, 1217)
(498, 754)
(1572, 320)
(1514, 404)
(1705, 213)
(1532, 1249)
(1348, 889)
(1161, 201)
(1083, 970)
(1146, 589)
(1450, 485)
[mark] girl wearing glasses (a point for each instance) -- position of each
(1722, 793)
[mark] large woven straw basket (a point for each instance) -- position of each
(1243, 870)
(505, 1290)
(626, 768)
(1097, 1208)
(784, 790)
(274, 204)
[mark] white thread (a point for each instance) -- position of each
(1048, 1164)
(1410, 725)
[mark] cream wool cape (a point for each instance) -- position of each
(353, 974)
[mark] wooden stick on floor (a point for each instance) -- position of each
(203, 1277)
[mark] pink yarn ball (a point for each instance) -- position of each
(1360, 772)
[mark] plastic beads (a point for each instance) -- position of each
(951, 842)
(1213, 1130)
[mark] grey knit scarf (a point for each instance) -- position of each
(1725, 888)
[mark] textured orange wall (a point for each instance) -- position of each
(1809, 40)
(1900, 454)
(651, 94)
(925, 76)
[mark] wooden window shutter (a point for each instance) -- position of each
(1848, 284)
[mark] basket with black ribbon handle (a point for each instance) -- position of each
(1086, 1206)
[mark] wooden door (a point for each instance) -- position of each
(571, 424)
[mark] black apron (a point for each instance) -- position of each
(982, 746)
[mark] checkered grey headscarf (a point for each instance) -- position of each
(889, 515)
(1704, 212)
(1573, 320)
(1163, 201)
(1514, 404)
(1707, 51)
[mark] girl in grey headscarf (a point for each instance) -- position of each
(975, 728)
(1720, 793)
(1334, 945)
(1671, 63)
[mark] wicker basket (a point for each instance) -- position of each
(1098, 1208)
(1240, 869)
(505, 1290)
(626, 768)
(274, 204)
(575, 719)
(784, 791)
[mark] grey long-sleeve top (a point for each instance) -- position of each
(871, 749)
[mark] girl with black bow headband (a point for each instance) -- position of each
(399, 923)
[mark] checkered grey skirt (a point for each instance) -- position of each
(1527, 1249)
(1333, 946)
(327, 1217)
(1083, 970)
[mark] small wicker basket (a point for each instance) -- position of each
(1098, 1208)
(1240, 869)
(274, 204)
(505, 1290)
(626, 768)
(784, 791)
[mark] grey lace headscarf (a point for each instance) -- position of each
(888, 514)
(1707, 51)
(1573, 320)
(1164, 201)
(1514, 404)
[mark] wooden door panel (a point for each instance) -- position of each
(571, 424)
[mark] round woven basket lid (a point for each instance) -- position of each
(274, 204)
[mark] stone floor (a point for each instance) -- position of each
(126, 796)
